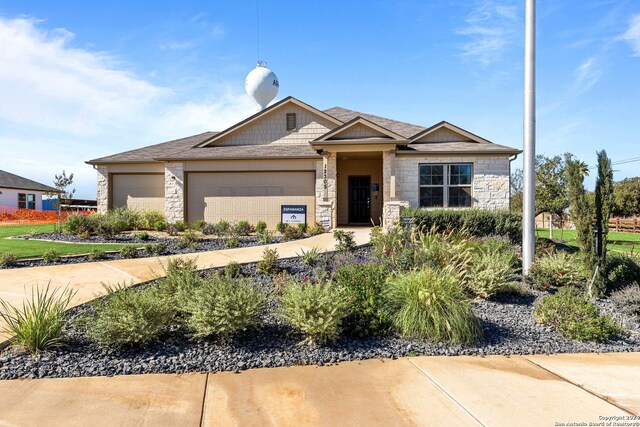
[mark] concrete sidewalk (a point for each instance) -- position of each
(452, 391)
(87, 278)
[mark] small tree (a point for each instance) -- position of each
(604, 203)
(627, 197)
(580, 210)
(62, 183)
(517, 185)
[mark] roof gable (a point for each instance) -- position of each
(359, 128)
(446, 132)
(261, 115)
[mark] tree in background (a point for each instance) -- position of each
(517, 185)
(626, 195)
(603, 207)
(580, 210)
(62, 183)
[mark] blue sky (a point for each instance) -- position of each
(80, 79)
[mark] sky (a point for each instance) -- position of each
(81, 79)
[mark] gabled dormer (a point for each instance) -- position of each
(359, 131)
(289, 121)
(446, 132)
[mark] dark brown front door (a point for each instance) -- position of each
(359, 199)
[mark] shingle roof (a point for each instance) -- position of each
(401, 128)
(10, 180)
(186, 148)
(151, 152)
(244, 151)
(455, 148)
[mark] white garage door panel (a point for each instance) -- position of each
(251, 196)
(139, 192)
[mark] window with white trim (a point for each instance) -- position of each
(445, 185)
(26, 201)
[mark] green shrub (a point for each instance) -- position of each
(38, 324)
(180, 225)
(129, 252)
(627, 300)
(232, 270)
(261, 226)
(143, 235)
(575, 317)
(242, 228)
(265, 237)
(189, 239)
(477, 222)
(147, 220)
(199, 224)
(555, 270)
(224, 307)
(315, 309)
(269, 262)
(621, 270)
(180, 279)
(160, 225)
(97, 254)
(491, 272)
(292, 233)
(281, 226)
(78, 224)
(7, 259)
(107, 227)
(309, 257)
(364, 285)
(315, 229)
(171, 230)
(302, 227)
(223, 228)
(51, 256)
(128, 317)
(345, 240)
(232, 242)
(430, 304)
(128, 219)
(156, 249)
(498, 244)
(84, 235)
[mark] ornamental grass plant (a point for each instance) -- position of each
(38, 324)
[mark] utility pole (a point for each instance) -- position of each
(529, 196)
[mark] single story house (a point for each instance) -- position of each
(17, 192)
(344, 166)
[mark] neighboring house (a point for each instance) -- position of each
(346, 167)
(17, 192)
(70, 205)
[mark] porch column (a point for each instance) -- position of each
(391, 205)
(326, 193)
(174, 191)
(103, 188)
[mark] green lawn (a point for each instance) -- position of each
(617, 242)
(35, 248)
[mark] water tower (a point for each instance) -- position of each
(262, 85)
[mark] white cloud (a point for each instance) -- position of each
(632, 35)
(587, 74)
(490, 29)
(61, 105)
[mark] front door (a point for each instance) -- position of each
(359, 199)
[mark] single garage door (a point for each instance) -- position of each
(251, 196)
(140, 192)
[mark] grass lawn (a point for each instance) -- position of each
(617, 242)
(35, 248)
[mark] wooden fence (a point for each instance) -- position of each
(627, 225)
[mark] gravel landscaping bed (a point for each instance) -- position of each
(508, 323)
(205, 244)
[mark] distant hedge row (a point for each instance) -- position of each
(478, 222)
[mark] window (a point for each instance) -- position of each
(447, 186)
(291, 121)
(26, 201)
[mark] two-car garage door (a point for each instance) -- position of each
(251, 196)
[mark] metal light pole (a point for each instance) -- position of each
(528, 211)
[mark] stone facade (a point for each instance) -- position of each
(103, 188)
(326, 194)
(174, 191)
(392, 212)
(490, 186)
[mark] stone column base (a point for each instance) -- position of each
(391, 213)
(324, 214)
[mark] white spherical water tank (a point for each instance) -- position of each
(262, 84)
